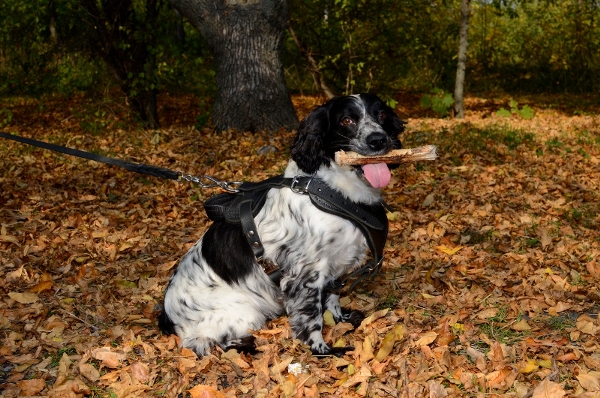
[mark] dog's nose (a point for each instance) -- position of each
(377, 141)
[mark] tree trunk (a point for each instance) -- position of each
(246, 39)
(465, 9)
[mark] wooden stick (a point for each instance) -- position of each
(427, 152)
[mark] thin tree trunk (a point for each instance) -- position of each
(314, 67)
(246, 38)
(465, 9)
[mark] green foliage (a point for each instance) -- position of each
(439, 101)
(526, 112)
(6, 117)
(378, 46)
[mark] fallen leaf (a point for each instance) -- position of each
(585, 324)
(140, 372)
(109, 358)
(9, 239)
(40, 287)
(387, 345)
(373, 317)
(590, 381)
(426, 338)
(328, 318)
(89, 372)
(529, 366)
(520, 326)
(24, 298)
(448, 250)
(548, 389)
(63, 371)
(204, 391)
(436, 389)
(31, 387)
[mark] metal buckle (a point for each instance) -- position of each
(300, 190)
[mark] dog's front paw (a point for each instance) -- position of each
(332, 351)
(353, 317)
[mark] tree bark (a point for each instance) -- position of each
(465, 10)
(246, 38)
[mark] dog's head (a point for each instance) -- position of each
(361, 123)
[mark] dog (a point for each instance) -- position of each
(219, 292)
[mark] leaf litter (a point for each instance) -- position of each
(490, 285)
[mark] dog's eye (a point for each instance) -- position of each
(382, 116)
(347, 121)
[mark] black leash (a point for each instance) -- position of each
(135, 167)
(374, 227)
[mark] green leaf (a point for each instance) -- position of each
(426, 101)
(503, 112)
(526, 112)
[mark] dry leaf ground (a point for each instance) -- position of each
(490, 285)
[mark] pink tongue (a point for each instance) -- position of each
(377, 174)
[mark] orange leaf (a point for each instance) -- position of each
(203, 391)
(40, 287)
(31, 387)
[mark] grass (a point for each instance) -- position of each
(497, 328)
(58, 355)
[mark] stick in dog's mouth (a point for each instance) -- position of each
(408, 155)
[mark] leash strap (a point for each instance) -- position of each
(135, 167)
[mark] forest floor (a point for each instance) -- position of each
(491, 284)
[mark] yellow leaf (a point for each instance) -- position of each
(427, 296)
(449, 250)
(388, 342)
(393, 216)
(350, 370)
(125, 246)
(530, 366)
(328, 318)
(545, 363)
(126, 284)
(367, 351)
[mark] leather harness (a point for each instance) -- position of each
(241, 207)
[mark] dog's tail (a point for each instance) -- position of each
(165, 324)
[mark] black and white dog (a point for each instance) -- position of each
(219, 292)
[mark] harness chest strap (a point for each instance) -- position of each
(243, 206)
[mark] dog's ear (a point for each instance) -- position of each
(307, 149)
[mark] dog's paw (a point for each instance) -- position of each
(352, 317)
(244, 344)
(332, 351)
